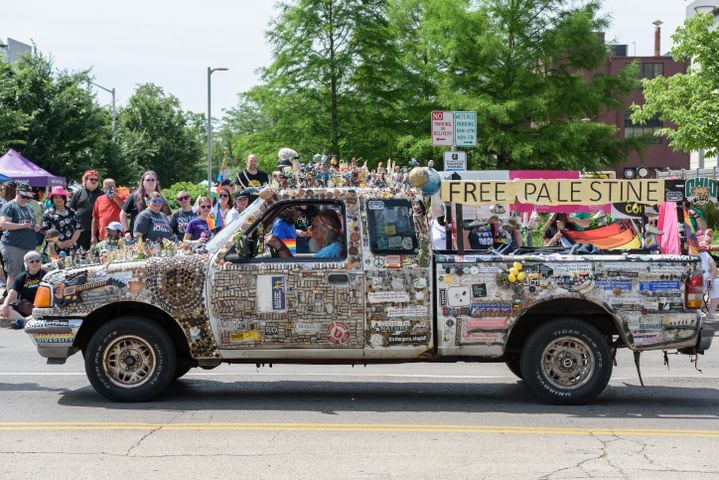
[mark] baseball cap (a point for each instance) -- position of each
(116, 226)
(24, 190)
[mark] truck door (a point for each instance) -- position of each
(399, 303)
(307, 301)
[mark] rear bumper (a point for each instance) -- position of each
(54, 338)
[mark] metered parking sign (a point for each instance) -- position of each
(455, 161)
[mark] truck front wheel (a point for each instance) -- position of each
(130, 359)
(566, 361)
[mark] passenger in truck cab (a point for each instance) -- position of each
(326, 231)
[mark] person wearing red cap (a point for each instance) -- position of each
(83, 201)
(63, 219)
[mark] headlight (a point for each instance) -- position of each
(43, 297)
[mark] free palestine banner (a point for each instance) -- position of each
(554, 192)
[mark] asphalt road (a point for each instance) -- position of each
(443, 421)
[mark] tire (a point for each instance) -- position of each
(513, 364)
(130, 359)
(566, 362)
(181, 369)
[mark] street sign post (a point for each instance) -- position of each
(465, 129)
(442, 128)
(455, 161)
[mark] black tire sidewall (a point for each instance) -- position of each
(149, 331)
(536, 381)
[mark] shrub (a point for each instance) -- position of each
(194, 189)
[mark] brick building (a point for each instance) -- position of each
(658, 155)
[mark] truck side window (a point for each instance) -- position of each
(307, 230)
(391, 228)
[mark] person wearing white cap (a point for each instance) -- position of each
(19, 227)
(63, 219)
(113, 231)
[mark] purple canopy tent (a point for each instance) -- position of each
(20, 169)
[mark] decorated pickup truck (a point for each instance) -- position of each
(383, 296)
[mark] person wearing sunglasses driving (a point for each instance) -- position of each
(152, 224)
(182, 216)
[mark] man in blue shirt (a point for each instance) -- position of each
(326, 231)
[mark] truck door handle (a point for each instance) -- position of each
(338, 279)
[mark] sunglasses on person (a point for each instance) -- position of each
(93, 179)
(33, 261)
(183, 198)
(205, 207)
(151, 180)
(225, 195)
(157, 200)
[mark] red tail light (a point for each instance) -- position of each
(694, 292)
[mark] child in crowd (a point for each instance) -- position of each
(50, 249)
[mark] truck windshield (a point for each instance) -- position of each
(226, 233)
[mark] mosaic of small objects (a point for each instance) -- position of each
(482, 296)
(303, 308)
(174, 284)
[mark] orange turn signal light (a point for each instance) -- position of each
(43, 297)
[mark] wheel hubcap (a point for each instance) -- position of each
(568, 363)
(129, 361)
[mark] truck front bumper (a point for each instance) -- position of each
(54, 338)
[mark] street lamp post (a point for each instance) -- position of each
(114, 112)
(210, 71)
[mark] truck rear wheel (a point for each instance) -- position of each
(566, 361)
(130, 359)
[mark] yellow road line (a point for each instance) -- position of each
(349, 427)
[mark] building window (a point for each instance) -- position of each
(650, 70)
(632, 129)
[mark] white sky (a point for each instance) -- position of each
(172, 42)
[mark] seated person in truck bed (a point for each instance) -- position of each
(326, 231)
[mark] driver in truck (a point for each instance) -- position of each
(326, 231)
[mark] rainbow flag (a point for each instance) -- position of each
(691, 235)
(211, 222)
(291, 244)
(216, 215)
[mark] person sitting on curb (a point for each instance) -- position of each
(18, 304)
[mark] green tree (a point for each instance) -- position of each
(155, 134)
(52, 118)
(690, 101)
(332, 86)
(531, 71)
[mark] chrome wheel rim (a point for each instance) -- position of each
(568, 363)
(129, 361)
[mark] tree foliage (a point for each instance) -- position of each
(690, 101)
(155, 134)
(332, 87)
(531, 71)
(52, 118)
(360, 78)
